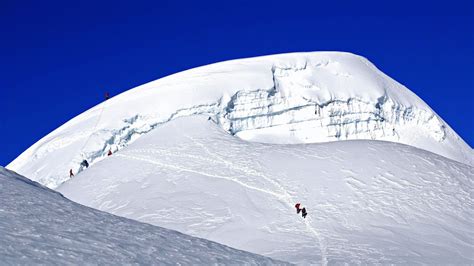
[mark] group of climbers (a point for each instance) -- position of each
(85, 164)
(302, 210)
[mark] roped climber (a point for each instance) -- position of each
(297, 206)
(303, 212)
(85, 164)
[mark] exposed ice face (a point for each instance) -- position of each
(255, 115)
(308, 105)
(289, 98)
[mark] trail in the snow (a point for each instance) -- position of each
(183, 169)
(94, 128)
(81, 150)
(281, 192)
(287, 198)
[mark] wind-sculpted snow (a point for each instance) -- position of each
(289, 98)
(40, 226)
(369, 202)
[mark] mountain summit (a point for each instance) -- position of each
(283, 99)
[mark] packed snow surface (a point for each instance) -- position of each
(368, 202)
(40, 226)
(282, 99)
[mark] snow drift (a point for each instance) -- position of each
(369, 202)
(40, 226)
(283, 99)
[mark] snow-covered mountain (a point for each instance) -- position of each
(40, 226)
(224, 152)
(289, 98)
(368, 201)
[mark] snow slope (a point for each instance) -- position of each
(40, 226)
(369, 202)
(288, 98)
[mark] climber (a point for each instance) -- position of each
(303, 212)
(109, 153)
(107, 96)
(85, 164)
(70, 173)
(297, 206)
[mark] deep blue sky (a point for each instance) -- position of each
(56, 59)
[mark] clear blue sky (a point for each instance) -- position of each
(57, 59)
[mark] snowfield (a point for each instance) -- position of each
(368, 201)
(289, 98)
(40, 226)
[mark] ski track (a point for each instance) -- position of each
(281, 193)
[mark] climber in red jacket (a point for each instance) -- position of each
(297, 206)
